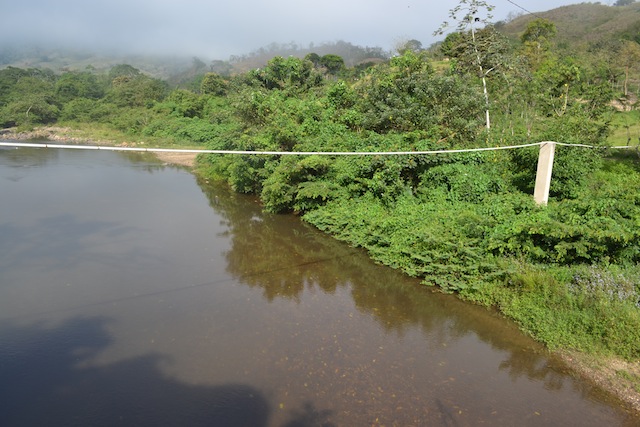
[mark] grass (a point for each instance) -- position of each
(632, 379)
(625, 128)
(106, 134)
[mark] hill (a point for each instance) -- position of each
(60, 59)
(174, 67)
(585, 24)
(580, 27)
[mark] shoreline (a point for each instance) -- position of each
(72, 137)
(619, 378)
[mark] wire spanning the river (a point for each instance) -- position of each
(289, 153)
(520, 7)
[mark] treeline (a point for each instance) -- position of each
(567, 272)
(120, 98)
(351, 54)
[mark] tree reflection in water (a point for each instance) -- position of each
(334, 339)
(284, 257)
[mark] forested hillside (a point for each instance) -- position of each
(599, 35)
(465, 222)
(178, 69)
(584, 25)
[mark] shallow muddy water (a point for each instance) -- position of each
(132, 294)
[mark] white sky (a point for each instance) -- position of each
(218, 29)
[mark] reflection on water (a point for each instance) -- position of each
(130, 295)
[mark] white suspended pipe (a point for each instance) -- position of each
(284, 153)
(543, 176)
(277, 153)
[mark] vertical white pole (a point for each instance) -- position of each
(543, 176)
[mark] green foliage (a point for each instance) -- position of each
(73, 85)
(589, 236)
(292, 73)
(176, 129)
(314, 58)
(85, 110)
(130, 120)
(137, 91)
(486, 47)
(333, 63)
(540, 32)
(185, 103)
(600, 226)
(246, 174)
(536, 41)
(413, 236)
(462, 182)
(299, 184)
(123, 70)
(449, 45)
(582, 121)
(213, 84)
(588, 308)
(30, 99)
(625, 129)
(631, 33)
(571, 169)
(459, 220)
(8, 79)
(341, 96)
(407, 96)
(29, 110)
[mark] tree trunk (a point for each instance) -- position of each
(484, 78)
(626, 81)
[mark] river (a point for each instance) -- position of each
(131, 293)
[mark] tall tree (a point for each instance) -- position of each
(333, 63)
(123, 70)
(30, 101)
(536, 40)
(412, 45)
(629, 59)
(76, 84)
(469, 14)
(136, 91)
(213, 84)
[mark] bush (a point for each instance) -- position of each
(84, 110)
(571, 169)
(182, 129)
(298, 184)
(462, 182)
(436, 242)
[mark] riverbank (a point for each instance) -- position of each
(71, 136)
(618, 377)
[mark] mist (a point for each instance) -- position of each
(219, 30)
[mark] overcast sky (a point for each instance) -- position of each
(217, 29)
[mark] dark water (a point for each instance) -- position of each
(130, 294)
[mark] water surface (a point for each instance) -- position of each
(132, 294)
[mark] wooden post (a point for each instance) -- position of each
(543, 176)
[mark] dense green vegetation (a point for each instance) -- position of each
(568, 273)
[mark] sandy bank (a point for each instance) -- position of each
(65, 135)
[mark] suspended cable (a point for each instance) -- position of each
(520, 7)
(286, 153)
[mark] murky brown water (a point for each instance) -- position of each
(131, 295)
